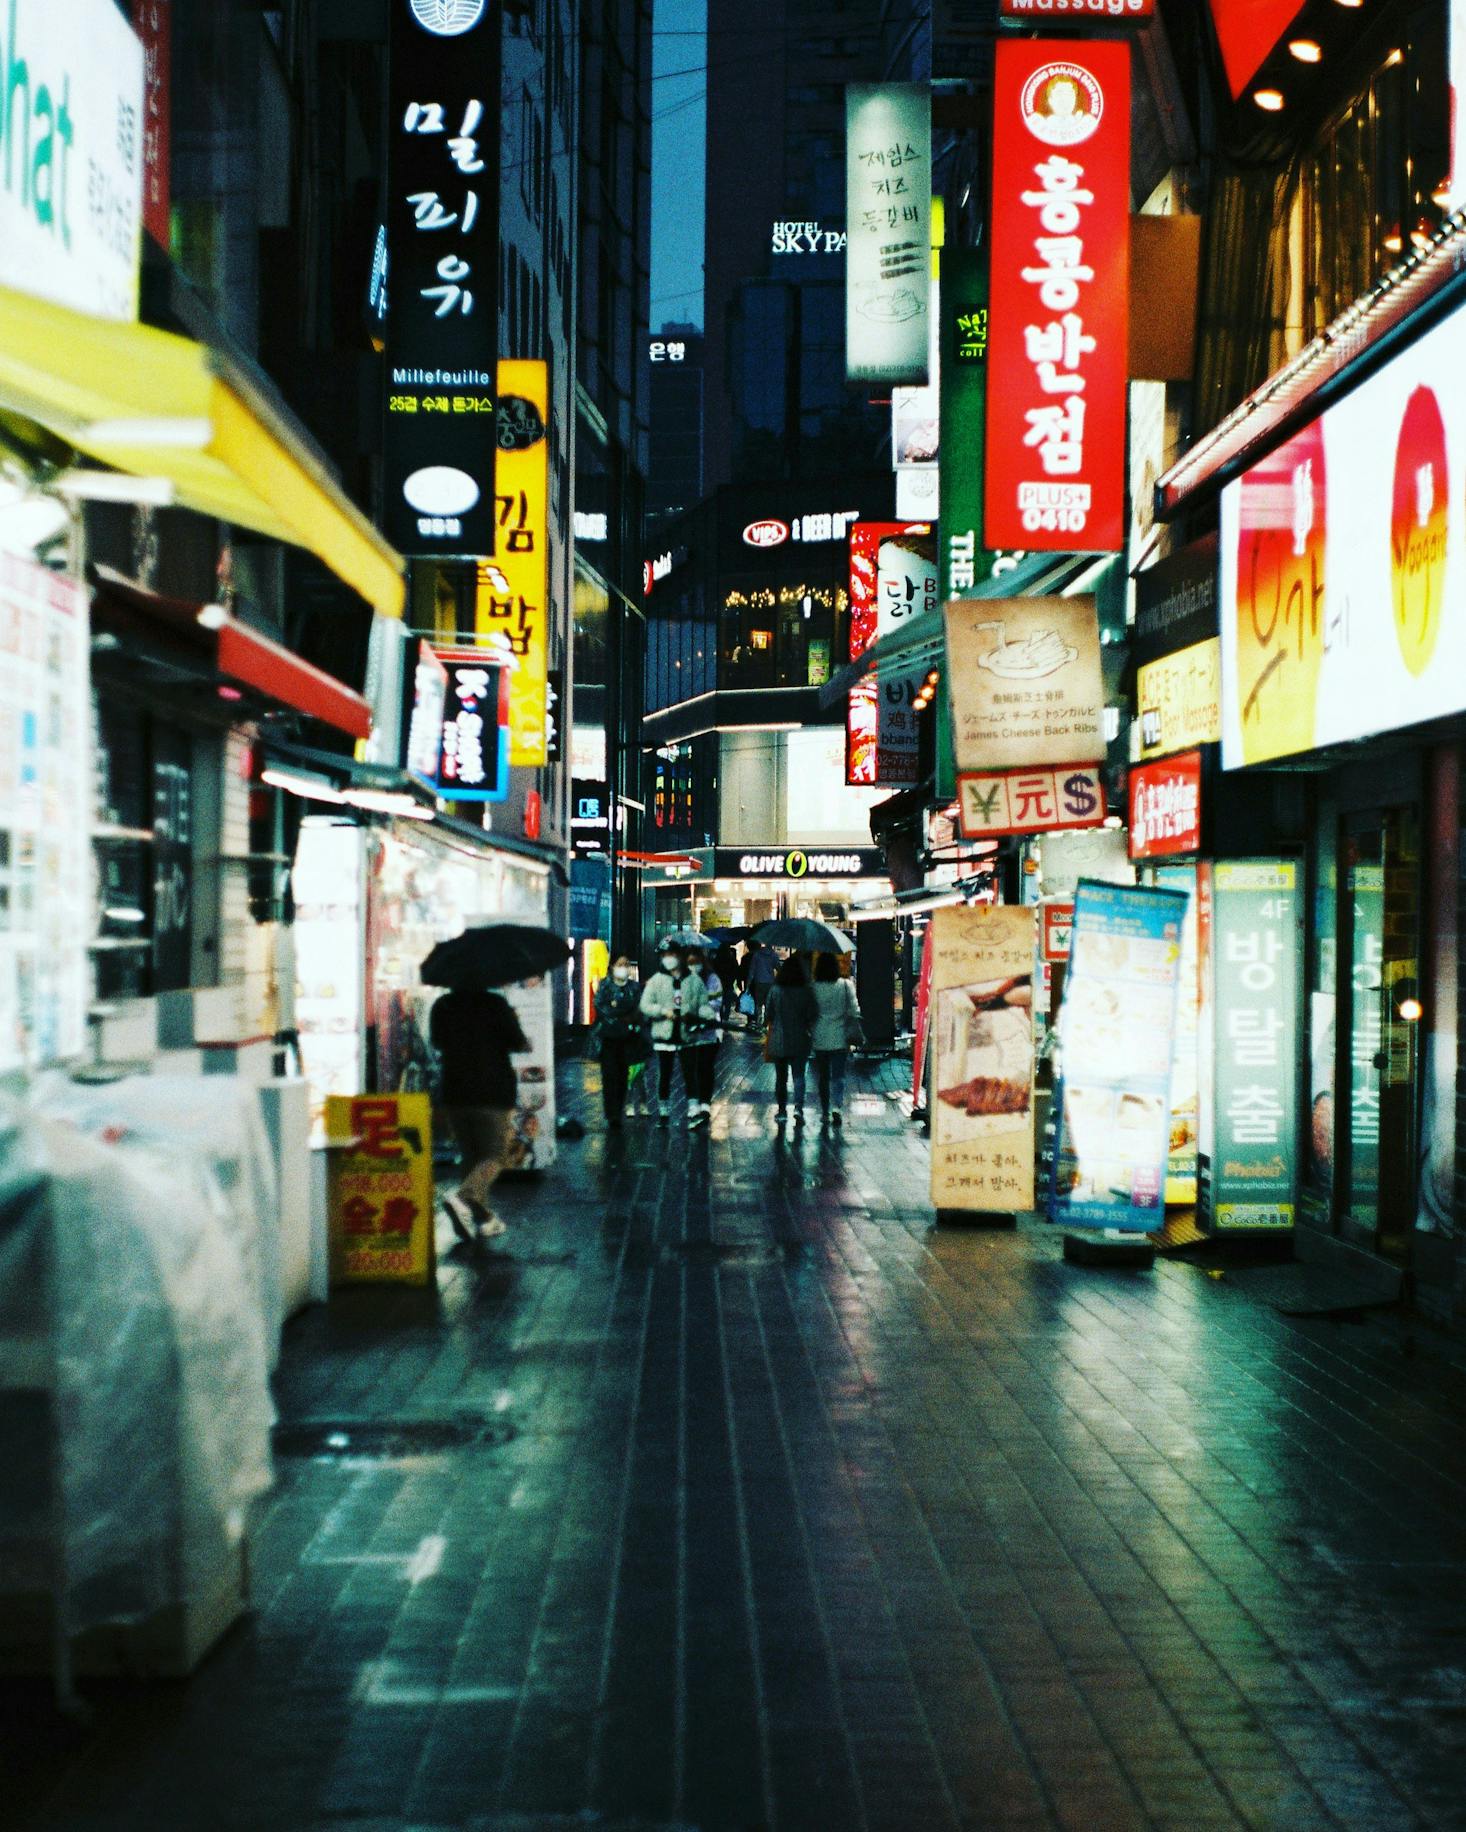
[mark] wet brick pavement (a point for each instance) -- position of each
(734, 1495)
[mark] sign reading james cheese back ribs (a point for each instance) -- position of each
(981, 1017)
(1025, 682)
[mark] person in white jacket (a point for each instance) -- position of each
(676, 1004)
(836, 1026)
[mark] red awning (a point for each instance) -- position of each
(238, 655)
(1404, 303)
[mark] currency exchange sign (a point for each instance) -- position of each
(1056, 408)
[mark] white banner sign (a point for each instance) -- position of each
(1343, 566)
(888, 182)
(71, 154)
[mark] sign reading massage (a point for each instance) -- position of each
(1343, 566)
(71, 154)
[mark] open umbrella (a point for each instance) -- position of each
(497, 955)
(803, 934)
(686, 938)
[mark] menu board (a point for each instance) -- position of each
(1026, 683)
(380, 1189)
(1249, 1174)
(982, 1058)
(1116, 1032)
(534, 1111)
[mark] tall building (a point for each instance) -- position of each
(675, 465)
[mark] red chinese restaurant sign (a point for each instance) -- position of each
(995, 802)
(1165, 807)
(1059, 316)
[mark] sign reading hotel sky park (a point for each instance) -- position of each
(443, 248)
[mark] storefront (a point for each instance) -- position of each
(739, 887)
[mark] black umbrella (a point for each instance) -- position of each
(498, 955)
(803, 935)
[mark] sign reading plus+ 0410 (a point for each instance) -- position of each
(443, 253)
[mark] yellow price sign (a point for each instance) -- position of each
(380, 1189)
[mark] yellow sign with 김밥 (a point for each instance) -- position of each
(982, 1058)
(1025, 682)
(380, 1189)
(511, 608)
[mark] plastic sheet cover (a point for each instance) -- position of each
(130, 1322)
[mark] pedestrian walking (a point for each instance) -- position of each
(837, 1025)
(667, 1003)
(619, 1036)
(475, 1033)
(791, 1016)
(725, 967)
(760, 970)
(700, 1038)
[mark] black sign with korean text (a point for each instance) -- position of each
(443, 248)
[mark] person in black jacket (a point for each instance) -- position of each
(475, 1033)
(620, 1034)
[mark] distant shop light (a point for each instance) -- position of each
(1306, 50)
(305, 783)
(1271, 101)
(591, 525)
(389, 801)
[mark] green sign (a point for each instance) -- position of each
(964, 387)
(1249, 1160)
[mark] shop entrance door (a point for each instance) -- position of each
(1379, 1055)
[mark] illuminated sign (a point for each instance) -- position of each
(767, 533)
(1179, 698)
(1059, 317)
(893, 577)
(770, 531)
(1077, 12)
(591, 525)
(888, 181)
(511, 608)
(992, 803)
(794, 863)
(1165, 807)
(1343, 566)
(664, 350)
(473, 762)
(425, 726)
(443, 252)
(807, 238)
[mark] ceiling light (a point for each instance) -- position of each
(1348, 2)
(1269, 99)
(116, 487)
(1393, 242)
(302, 782)
(389, 801)
(1396, 56)
(1306, 50)
(1442, 194)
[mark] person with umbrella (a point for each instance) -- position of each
(475, 1032)
(759, 969)
(792, 1013)
(676, 1005)
(725, 966)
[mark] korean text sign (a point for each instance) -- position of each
(152, 20)
(443, 248)
(1343, 566)
(893, 579)
(1249, 1176)
(963, 389)
(1025, 682)
(991, 803)
(71, 154)
(982, 1053)
(1165, 807)
(380, 1192)
(1057, 397)
(473, 761)
(1117, 1028)
(1179, 697)
(888, 184)
(512, 604)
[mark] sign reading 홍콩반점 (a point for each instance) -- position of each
(511, 609)
(980, 1013)
(443, 250)
(888, 187)
(1059, 362)
(991, 803)
(1249, 1171)
(1179, 697)
(71, 154)
(1025, 682)
(380, 1191)
(1116, 1032)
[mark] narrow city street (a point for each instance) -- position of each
(730, 1493)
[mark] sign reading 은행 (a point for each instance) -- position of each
(511, 608)
(980, 1010)
(1029, 801)
(71, 154)
(888, 195)
(1025, 682)
(380, 1191)
(1059, 361)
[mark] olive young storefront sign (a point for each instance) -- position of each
(1056, 407)
(1343, 566)
(794, 863)
(511, 609)
(71, 154)
(443, 246)
(888, 184)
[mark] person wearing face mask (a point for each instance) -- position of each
(669, 998)
(619, 1035)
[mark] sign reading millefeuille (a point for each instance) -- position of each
(1249, 1167)
(71, 154)
(1057, 396)
(511, 608)
(991, 803)
(443, 249)
(1362, 508)
(1165, 807)
(1025, 682)
(888, 183)
(1180, 699)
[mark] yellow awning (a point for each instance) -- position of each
(157, 405)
